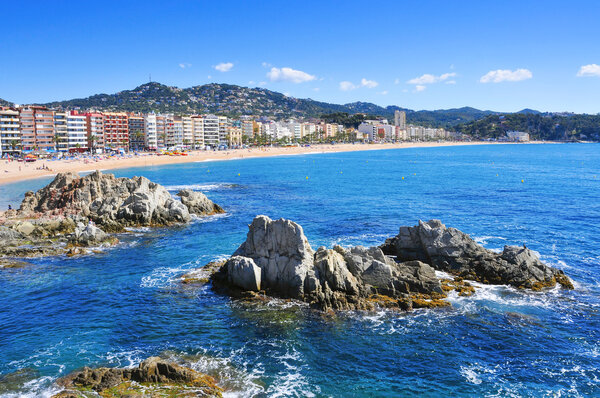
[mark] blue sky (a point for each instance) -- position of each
(503, 56)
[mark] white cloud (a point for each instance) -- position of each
(347, 86)
(589, 70)
(384, 92)
(368, 83)
(506, 75)
(251, 82)
(317, 89)
(397, 81)
(451, 82)
(224, 66)
(428, 78)
(289, 75)
(266, 65)
(185, 65)
(209, 77)
(419, 88)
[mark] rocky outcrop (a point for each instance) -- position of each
(277, 259)
(112, 203)
(453, 251)
(78, 211)
(153, 377)
(198, 204)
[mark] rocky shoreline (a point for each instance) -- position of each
(73, 213)
(277, 260)
(154, 377)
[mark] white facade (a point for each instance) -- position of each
(150, 132)
(77, 132)
(10, 133)
(60, 131)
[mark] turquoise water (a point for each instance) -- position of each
(121, 306)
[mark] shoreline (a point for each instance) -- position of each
(13, 171)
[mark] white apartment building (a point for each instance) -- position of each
(223, 130)
(198, 131)
(77, 132)
(211, 130)
(10, 133)
(95, 129)
(175, 134)
(60, 131)
(150, 132)
(187, 127)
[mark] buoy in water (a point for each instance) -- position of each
(522, 180)
(403, 178)
(238, 174)
(307, 177)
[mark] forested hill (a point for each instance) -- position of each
(540, 126)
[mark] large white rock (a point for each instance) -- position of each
(243, 273)
(281, 250)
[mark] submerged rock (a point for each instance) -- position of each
(453, 251)
(153, 377)
(277, 259)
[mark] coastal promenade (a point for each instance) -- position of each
(12, 171)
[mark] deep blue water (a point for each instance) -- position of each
(121, 306)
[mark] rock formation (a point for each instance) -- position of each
(198, 204)
(153, 377)
(453, 251)
(80, 210)
(276, 258)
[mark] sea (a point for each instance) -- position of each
(124, 304)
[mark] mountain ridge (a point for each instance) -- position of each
(234, 100)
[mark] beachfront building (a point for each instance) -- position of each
(150, 132)
(223, 130)
(187, 127)
(116, 130)
(61, 136)
(234, 137)
(77, 140)
(198, 131)
(10, 134)
(135, 124)
(95, 131)
(377, 130)
(37, 128)
(210, 128)
(175, 135)
(400, 120)
(247, 126)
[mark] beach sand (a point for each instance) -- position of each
(12, 171)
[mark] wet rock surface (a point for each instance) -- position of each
(277, 260)
(75, 212)
(154, 377)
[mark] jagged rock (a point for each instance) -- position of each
(328, 278)
(197, 203)
(159, 377)
(109, 201)
(280, 249)
(59, 213)
(450, 250)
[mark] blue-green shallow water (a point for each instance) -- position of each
(124, 305)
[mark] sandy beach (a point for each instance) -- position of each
(12, 171)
